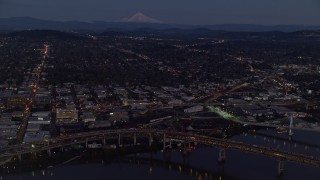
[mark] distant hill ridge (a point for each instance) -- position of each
(41, 34)
(137, 21)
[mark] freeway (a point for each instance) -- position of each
(161, 135)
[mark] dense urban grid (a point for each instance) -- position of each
(54, 84)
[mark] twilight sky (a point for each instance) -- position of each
(267, 12)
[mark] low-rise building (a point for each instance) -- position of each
(16, 101)
(193, 109)
(88, 117)
(67, 115)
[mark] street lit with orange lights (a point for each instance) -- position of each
(24, 123)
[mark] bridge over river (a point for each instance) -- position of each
(166, 137)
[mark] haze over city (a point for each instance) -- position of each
(263, 12)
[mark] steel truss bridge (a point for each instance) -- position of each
(166, 137)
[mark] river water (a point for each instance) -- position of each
(201, 163)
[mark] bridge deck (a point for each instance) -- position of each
(114, 134)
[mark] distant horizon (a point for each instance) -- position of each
(188, 12)
(165, 23)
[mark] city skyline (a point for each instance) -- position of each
(194, 13)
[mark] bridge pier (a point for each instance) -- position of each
(104, 140)
(186, 151)
(184, 145)
(49, 152)
(280, 168)
(222, 156)
(290, 127)
(134, 139)
(164, 141)
(119, 140)
(150, 140)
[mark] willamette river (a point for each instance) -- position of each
(200, 164)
